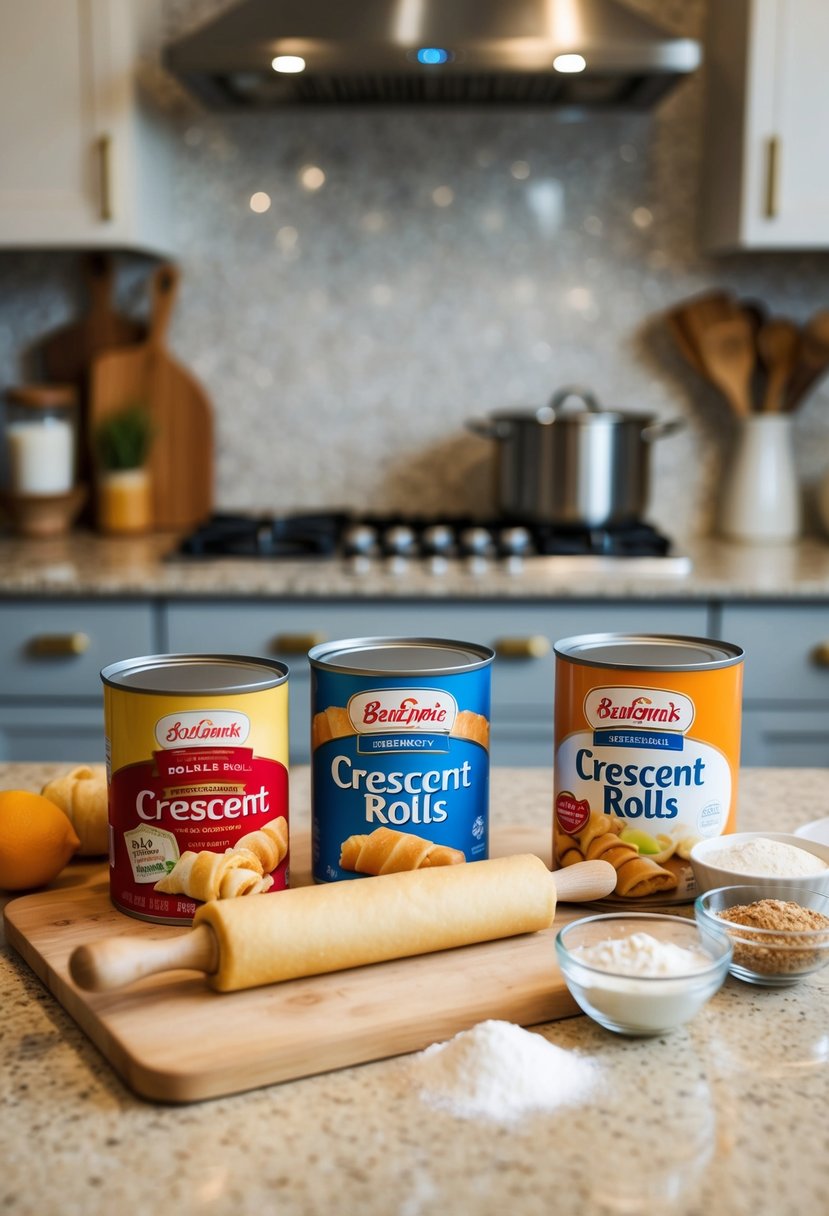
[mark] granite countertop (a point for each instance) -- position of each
(82, 564)
(725, 1116)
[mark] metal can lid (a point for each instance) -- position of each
(400, 656)
(649, 652)
(195, 674)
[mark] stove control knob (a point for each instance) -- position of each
(360, 539)
(438, 539)
(477, 542)
(400, 540)
(515, 542)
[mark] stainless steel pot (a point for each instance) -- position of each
(582, 466)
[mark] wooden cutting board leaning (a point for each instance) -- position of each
(181, 456)
(69, 352)
(173, 1039)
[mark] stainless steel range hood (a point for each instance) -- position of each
(431, 52)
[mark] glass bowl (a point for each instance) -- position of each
(776, 958)
(642, 1004)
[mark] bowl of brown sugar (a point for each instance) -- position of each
(777, 942)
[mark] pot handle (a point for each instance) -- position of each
(658, 430)
(489, 428)
(584, 395)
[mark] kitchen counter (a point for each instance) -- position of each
(82, 564)
(725, 1116)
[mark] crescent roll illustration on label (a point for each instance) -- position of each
(242, 870)
(599, 840)
(209, 875)
(385, 851)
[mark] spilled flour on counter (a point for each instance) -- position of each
(500, 1072)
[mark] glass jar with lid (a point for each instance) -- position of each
(41, 439)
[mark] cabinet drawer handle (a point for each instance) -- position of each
(58, 645)
(104, 144)
(772, 177)
(534, 647)
(820, 655)
(296, 643)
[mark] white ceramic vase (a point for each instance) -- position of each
(761, 494)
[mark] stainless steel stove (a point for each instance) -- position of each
(437, 544)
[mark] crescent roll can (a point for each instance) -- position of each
(400, 743)
(197, 766)
(647, 753)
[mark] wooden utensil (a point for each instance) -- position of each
(778, 344)
(684, 343)
(701, 312)
(181, 457)
(687, 321)
(335, 934)
(726, 350)
(812, 360)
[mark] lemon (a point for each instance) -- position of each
(36, 840)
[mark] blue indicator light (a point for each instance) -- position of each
(432, 54)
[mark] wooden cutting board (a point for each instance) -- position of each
(174, 1039)
(181, 457)
(68, 352)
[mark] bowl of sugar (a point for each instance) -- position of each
(783, 863)
(640, 973)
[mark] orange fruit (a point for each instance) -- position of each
(36, 840)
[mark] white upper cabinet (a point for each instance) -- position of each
(83, 159)
(766, 169)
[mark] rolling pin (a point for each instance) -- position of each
(262, 939)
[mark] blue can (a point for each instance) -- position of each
(400, 747)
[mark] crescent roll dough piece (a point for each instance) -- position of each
(597, 825)
(82, 796)
(571, 858)
(311, 930)
(207, 875)
(269, 845)
(642, 876)
(385, 851)
(331, 723)
(242, 881)
(600, 845)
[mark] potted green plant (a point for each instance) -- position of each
(122, 447)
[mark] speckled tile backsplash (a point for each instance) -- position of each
(356, 285)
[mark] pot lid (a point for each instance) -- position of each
(573, 403)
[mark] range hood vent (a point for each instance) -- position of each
(431, 52)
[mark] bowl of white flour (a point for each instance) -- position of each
(782, 862)
(641, 973)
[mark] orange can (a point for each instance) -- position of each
(647, 755)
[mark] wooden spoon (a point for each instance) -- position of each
(726, 350)
(812, 362)
(701, 312)
(778, 344)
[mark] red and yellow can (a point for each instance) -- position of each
(647, 754)
(197, 765)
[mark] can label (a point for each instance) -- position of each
(646, 765)
(198, 798)
(399, 767)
